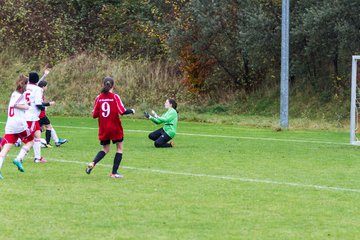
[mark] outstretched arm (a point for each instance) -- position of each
(165, 118)
(129, 111)
(46, 72)
(154, 114)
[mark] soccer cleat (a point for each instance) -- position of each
(60, 142)
(48, 145)
(41, 160)
(172, 144)
(17, 144)
(1, 176)
(116, 175)
(90, 167)
(19, 165)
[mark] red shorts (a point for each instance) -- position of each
(34, 126)
(25, 137)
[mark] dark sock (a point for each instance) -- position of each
(117, 161)
(99, 156)
(48, 136)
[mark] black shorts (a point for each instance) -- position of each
(106, 142)
(44, 121)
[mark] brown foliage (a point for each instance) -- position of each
(196, 69)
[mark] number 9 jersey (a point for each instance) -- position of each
(107, 108)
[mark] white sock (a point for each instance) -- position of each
(1, 161)
(37, 148)
(54, 136)
(23, 151)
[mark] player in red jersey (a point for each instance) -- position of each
(108, 106)
(16, 125)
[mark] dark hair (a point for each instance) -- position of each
(173, 103)
(33, 77)
(108, 83)
(21, 83)
(42, 83)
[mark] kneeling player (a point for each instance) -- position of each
(163, 136)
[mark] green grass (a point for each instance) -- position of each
(222, 182)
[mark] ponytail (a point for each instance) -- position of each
(173, 104)
(108, 84)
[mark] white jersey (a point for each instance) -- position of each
(33, 96)
(16, 122)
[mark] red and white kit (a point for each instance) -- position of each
(33, 96)
(16, 126)
(107, 109)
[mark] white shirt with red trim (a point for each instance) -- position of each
(33, 96)
(16, 122)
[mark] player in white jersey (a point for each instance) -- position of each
(16, 125)
(16, 115)
(34, 98)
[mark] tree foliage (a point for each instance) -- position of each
(217, 45)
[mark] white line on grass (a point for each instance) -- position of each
(300, 185)
(222, 136)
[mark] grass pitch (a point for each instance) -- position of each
(219, 182)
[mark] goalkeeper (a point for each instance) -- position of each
(162, 136)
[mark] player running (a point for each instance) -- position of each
(108, 106)
(163, 135)
(16, 125)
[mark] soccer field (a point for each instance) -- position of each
(219, 182)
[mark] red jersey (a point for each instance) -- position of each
(107, 108)
(42, 113)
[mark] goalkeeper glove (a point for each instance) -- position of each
(154, 113)
(146, 114)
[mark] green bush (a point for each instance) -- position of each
(144, 84)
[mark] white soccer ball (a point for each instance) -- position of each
(43, 143)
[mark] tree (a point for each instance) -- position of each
(221, 39)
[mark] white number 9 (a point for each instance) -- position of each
(105, 107)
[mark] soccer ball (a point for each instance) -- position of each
(43, 143)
